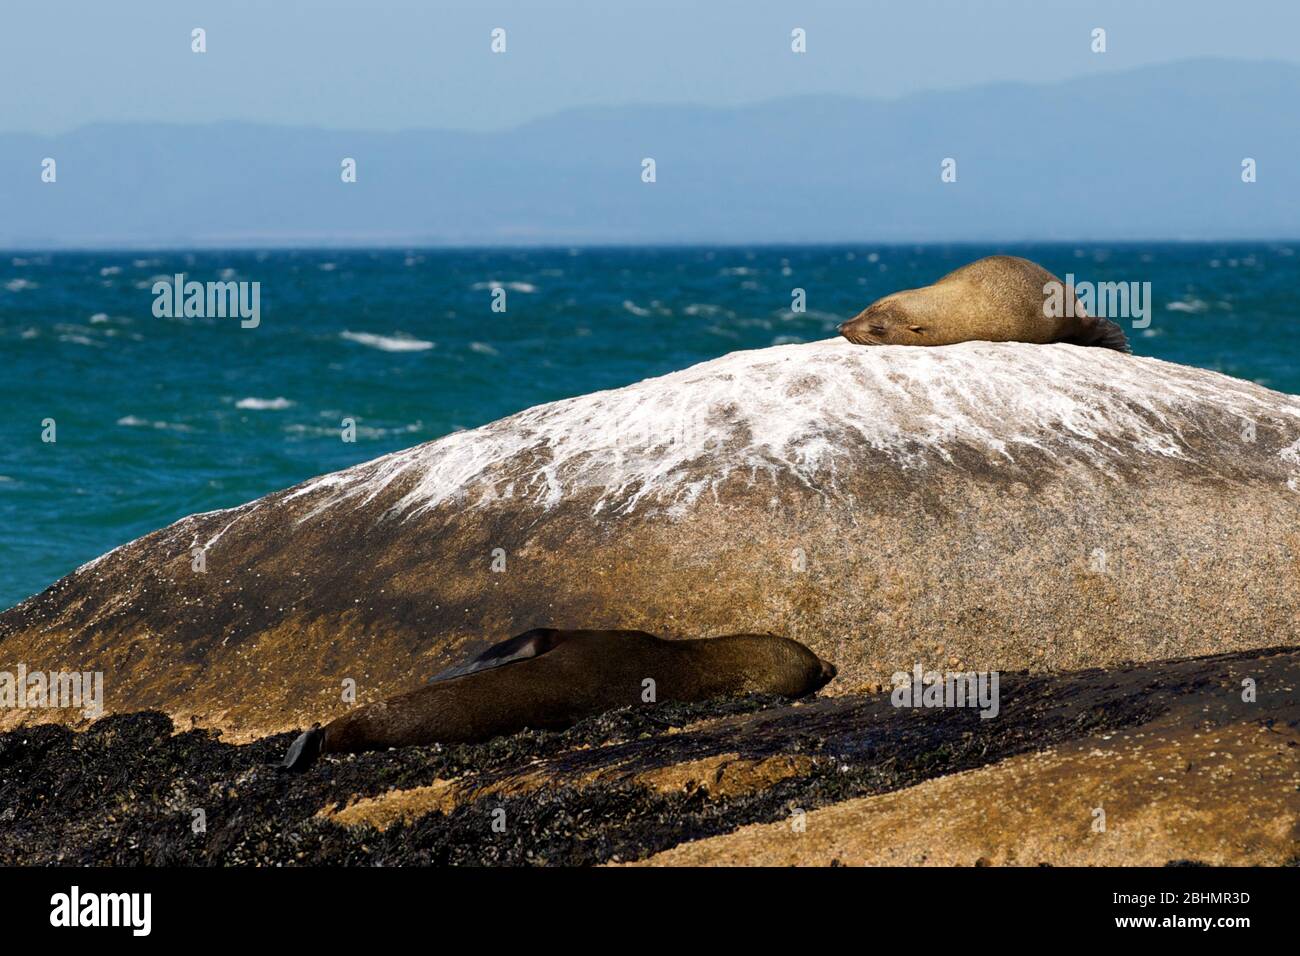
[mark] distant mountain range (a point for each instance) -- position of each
(1150, 153)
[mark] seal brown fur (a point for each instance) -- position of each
(996, 299)
(550, 679)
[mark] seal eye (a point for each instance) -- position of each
(916, 328)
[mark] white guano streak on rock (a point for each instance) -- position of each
(802, 410)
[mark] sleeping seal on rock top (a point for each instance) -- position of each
(997, 299)
(550, 679)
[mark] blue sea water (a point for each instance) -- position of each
(160, 417)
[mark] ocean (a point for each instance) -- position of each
(156, 417)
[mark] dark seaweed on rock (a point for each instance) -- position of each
(124, 791)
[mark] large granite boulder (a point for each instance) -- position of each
(982, 506)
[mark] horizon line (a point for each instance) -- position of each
(549, 246)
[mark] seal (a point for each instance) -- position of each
(996, 299)
(549, 679)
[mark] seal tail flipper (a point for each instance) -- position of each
(304, 751)
(1101, 332)
(1109, 335)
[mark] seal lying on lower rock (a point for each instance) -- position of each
(550, 679)
(996, 299)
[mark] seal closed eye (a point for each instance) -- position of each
(550, 679)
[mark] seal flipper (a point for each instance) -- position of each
(304, 751)
(1110, 336)
(1101, 332)
(521, 647)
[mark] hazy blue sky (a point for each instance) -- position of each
(390, 64)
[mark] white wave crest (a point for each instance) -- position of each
(388, 343)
